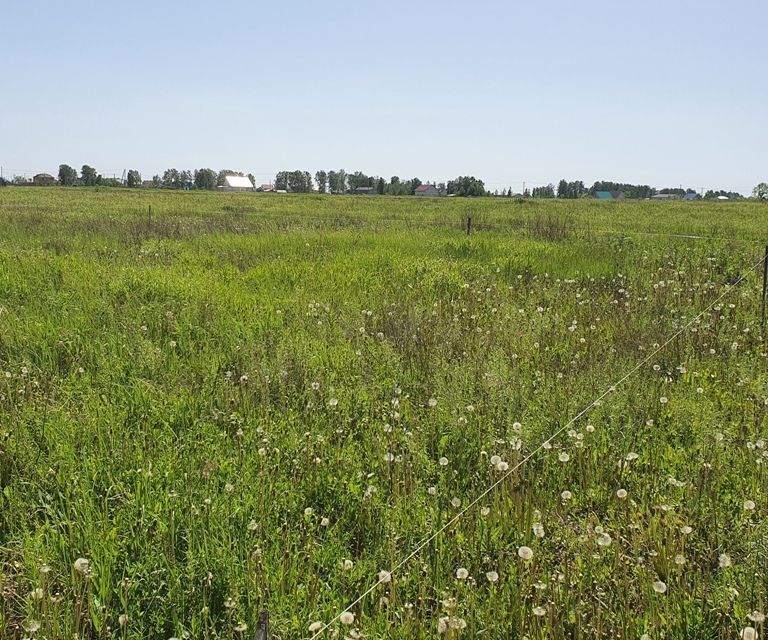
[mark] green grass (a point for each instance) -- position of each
(158, 415)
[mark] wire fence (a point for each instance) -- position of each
(387, 575)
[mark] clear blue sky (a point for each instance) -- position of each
(667, 93)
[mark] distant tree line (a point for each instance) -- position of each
(340, 182)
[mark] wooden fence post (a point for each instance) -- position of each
(262, 630)
(469, 224)
(765, 283)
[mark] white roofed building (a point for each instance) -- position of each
(238, 183)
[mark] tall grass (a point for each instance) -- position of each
(255, 401)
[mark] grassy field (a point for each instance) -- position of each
(241, 401)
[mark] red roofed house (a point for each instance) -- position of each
(427, 190)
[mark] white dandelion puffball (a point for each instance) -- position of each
(455, 502)
(660, 587)
(348, 564)
(347, 617)
(563, 457)
(621, 494)
(724, 560)
(631, 456)
(492, 576)
(538, 529)
(315, 626)
(757, 616)
(333, 402)
(495, 460)
(566, 495)
(749, 505)
(443, 461)
(31, 626)
(686, 530)
(324, 522)
(539, 611)
(462, 573)
(604, 540)
(82, 565)
(526, 553)
(502, 466)
(385, 576)
(432, 402)
(749, 633)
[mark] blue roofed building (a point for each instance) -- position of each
(609, 195)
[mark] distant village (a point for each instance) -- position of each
(358, 183)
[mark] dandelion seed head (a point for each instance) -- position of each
(443, 461)
(724, 561)
(462, 573)
(749, 505)
(83, 566)
(659, 586)
(385, 576)
(347, 618)
(492, 576)
(526, 553)
(604, 539)
(315, 626)
(31, 626)
(621, 494)
(563, 457)
(566, 495)
(539, 611)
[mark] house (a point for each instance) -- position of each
(665, 196)
(266, 187)
(43, 180)
(237, 183)
(147, 184)
(426, 190)
(364, 191)
(691, 195)
(609, 195)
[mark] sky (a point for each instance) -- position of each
(663, 92)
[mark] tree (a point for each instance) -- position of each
(89, 177)
(380, 185)
(205, 179)
(157, 182)
(67, 175)
(321, 178)
(544, 192)
(294, 181)
(413, 183)
(133, 179)
(466, 186)
(172, 179)
(337, 181)
(761, 191)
